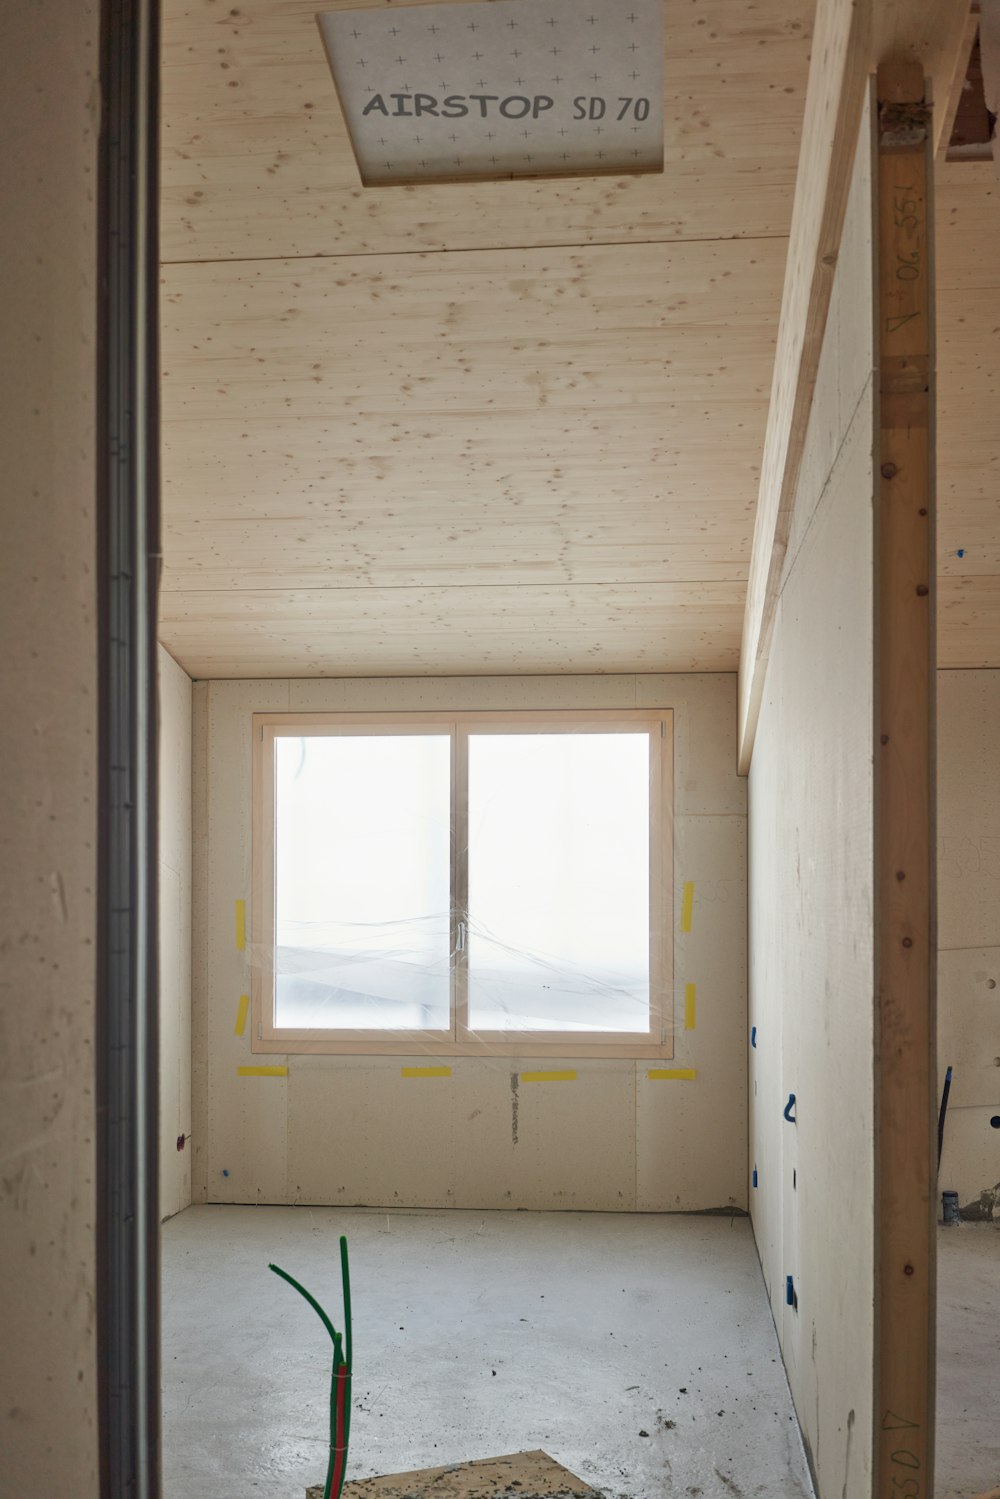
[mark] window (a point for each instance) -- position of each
(460, 883)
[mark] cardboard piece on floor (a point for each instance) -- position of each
(521, 1475)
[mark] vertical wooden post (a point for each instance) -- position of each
(905, 845)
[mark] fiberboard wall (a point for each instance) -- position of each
(969, 934)
(811, 872)
(352, 1130)
(175, 934)
(49, 101)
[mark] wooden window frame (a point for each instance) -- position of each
(459, 1040)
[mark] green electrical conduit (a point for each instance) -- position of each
(340, 1378)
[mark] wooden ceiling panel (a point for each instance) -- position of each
(380, 437)
(360, 427)
(670, 465)
(599, 545)
(497, 426)
(487, 630)
(968, 618)
(257, 162)
(487, 332)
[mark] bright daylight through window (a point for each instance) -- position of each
(458, 883)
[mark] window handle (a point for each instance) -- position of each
(460, 937)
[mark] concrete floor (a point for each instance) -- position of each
(968, 1386)
(638, 1350)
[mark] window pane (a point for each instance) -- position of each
(559, 882)
(362, 882)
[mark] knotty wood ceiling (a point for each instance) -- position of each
(498, 427)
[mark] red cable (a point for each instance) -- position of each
(339, 1446)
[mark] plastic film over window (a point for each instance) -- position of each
(453, 884)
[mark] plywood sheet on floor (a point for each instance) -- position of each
(522, 1475)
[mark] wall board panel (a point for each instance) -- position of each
(969, 1033)
(969, 617)
(200, 928)
(812, 877)
(49, 97)
(677, 1115)
(353, 1130)
(246, 1116)
(967, 227)
(968, 809)
(481, 1138)
(766, 942)
(969, 1162)
(968, 868)
(175, 942)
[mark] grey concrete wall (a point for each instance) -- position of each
(48, 724)
(353, 1130)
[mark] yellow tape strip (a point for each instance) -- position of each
(690, 1001)
(262, 1072)
(687, 905)
(241, 924)
(679, 1074)
(425, 1072)
(548, 1077)
(241, 1015)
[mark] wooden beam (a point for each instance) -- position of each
(989, 49)
(905, 956)
(851, 37)
(948, 104)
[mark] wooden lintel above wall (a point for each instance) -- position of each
(850, 40)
